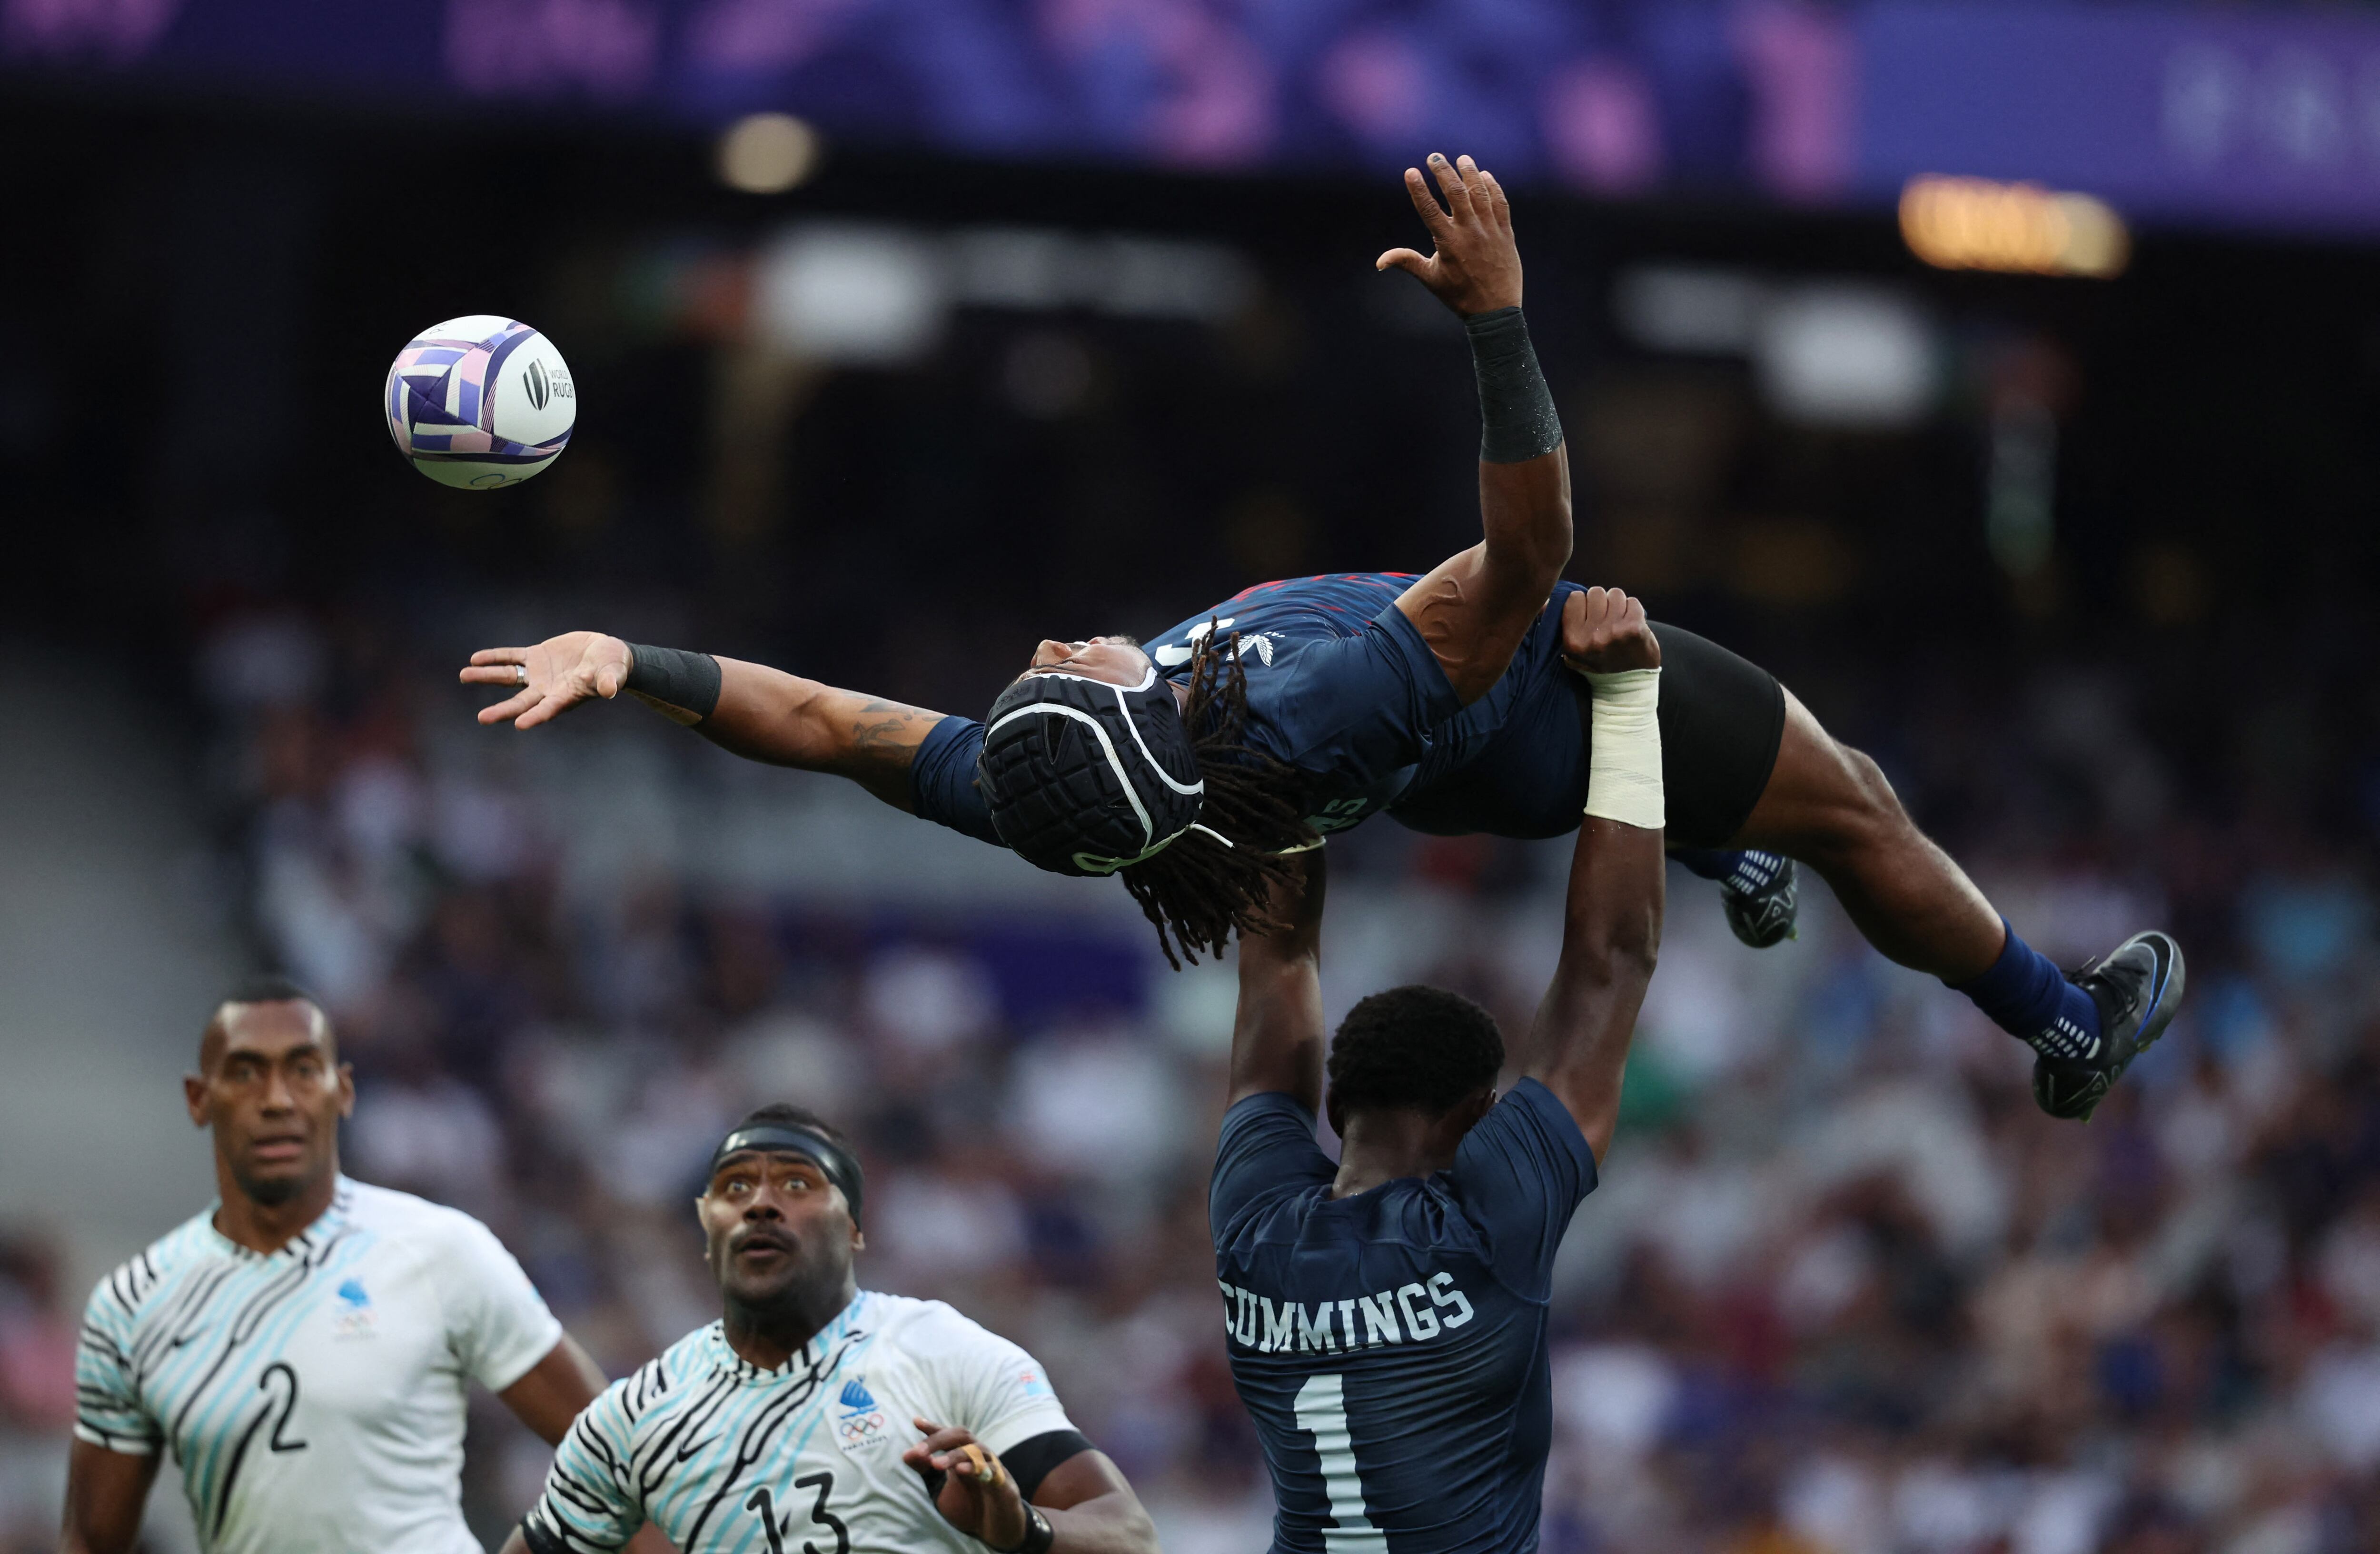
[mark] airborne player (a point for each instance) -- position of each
(1198, 767)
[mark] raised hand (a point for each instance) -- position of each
(1477, 267)
(1604, 631)
(561, 672)
(976, 1494)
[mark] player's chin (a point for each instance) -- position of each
(272, 1182)
(759, 1275)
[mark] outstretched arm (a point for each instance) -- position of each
(1578, 1046)
(758, 712)
(1476, 607)
(1277, 1040)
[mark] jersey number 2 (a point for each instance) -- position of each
(1322, 1413)
(766, 1504)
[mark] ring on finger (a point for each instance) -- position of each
(520, 675)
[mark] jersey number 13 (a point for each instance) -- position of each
(779, 1530)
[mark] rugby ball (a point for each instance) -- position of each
(481, 402)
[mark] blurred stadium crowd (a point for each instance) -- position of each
(1842, 1292)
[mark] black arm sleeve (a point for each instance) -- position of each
(1029, 1462)
(679, 681)
(1517, 411)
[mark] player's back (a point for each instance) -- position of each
(1391, 1346)
(1291, 609)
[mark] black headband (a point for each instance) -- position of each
(770, 1138)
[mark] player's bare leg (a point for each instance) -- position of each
(1830, 806)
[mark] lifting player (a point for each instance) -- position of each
(1387, 1314)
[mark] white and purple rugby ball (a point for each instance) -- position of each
(481, 402)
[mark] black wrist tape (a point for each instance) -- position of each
(1517, 411)
(540, 1541)
(678, 680)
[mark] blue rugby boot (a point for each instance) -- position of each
(2137, 987)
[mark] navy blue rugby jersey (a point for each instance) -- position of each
(1341, 686)
(1392, 1346)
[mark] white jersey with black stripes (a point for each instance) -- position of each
(726, 1458)
(314, 1397)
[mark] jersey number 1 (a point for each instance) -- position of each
(1322, 1413)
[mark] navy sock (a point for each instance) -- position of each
(2028, 997)
(1743, 871)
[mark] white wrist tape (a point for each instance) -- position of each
(1623, 780)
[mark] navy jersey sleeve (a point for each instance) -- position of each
(1362, 705)
(1267, 1142)
(1522, 1172)
(942, 779)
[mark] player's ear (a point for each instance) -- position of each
(346, 1089)
(194, 1096)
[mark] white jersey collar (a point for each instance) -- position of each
(299, 1248)
(820, 1351)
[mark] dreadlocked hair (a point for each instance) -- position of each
(1199, 890)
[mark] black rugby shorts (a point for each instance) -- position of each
(1722, 720)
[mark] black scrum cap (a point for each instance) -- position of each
(1085, 777)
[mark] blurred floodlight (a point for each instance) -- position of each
(1149, 277)
(1037, 268)
(1974, 223)
(1022, 267)
(1692, 310)
(1848, 355)
(851, 294)
(767, 153)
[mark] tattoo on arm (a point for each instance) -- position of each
(888, 729)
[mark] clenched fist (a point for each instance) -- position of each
(1604, 631)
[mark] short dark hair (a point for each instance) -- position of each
(268, 988)
(785, 1114)
(1420, 1047)
(265, 988)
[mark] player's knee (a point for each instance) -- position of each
(1871, 806)
(1859, 810)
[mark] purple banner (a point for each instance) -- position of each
(1631, 97)
(2201, 116)
(2246, 117)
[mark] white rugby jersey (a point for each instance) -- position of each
(726, 1458)
(313, 1397)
